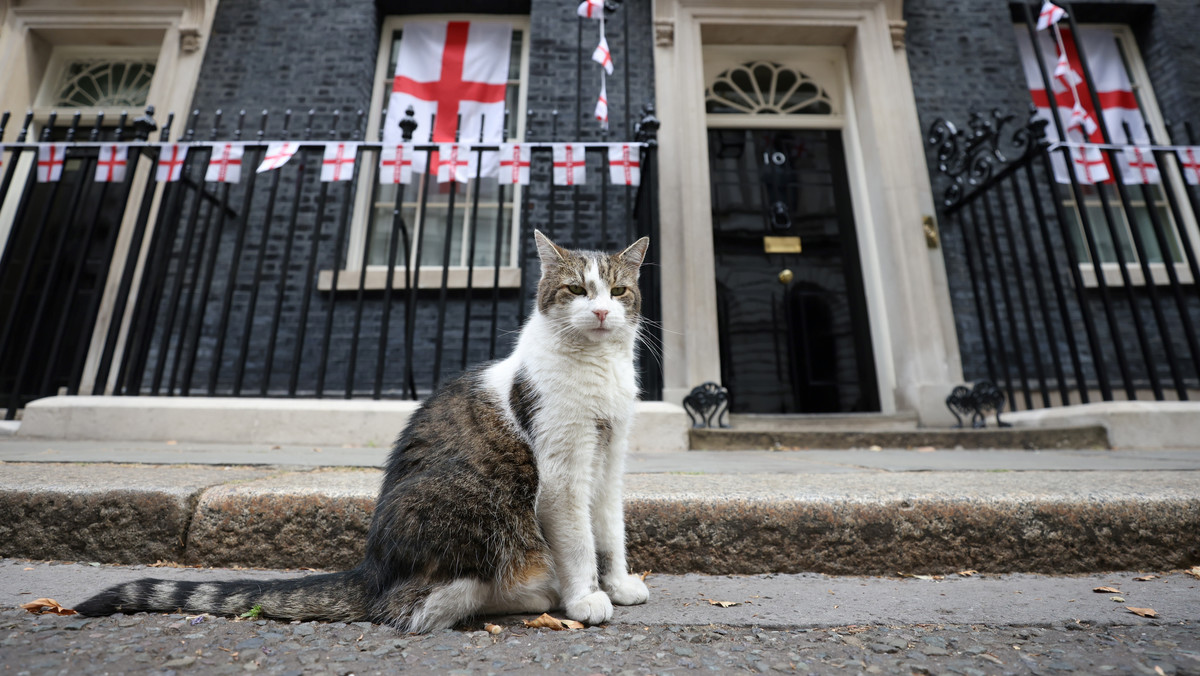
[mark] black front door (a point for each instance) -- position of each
(792, 312)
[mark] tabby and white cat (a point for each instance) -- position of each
(503, 494)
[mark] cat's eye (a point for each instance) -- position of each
(576, 289)
(618, 291)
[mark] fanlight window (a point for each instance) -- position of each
(764, 87)
(104, 83)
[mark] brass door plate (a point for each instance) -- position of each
(781, 245)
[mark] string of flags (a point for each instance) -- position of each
(594, 9)
(449, 162)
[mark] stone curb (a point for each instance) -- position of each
(1028, 438)
(676, 523)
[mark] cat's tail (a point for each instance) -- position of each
(330, 596)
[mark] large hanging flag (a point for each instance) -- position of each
(278, 154)
(445, 70)
(225, 165)
(1074, 102)
(624, 164)
(395, 164)
(110, 166)
(50, 159)
(170, 162)
(337, 162)
(515, 159)
(570, 165)
(1049, 15)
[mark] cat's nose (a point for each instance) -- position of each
(600, 314)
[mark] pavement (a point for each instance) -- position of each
(859, 511)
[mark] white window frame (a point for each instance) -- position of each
(1143, 91)
(63, 55)
(429, 276)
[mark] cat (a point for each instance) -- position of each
(503, 493)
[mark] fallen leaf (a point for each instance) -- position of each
(547, 622)
(967, 573)
(875, 448)
(27, 568)
(493, 628)
(1194, 571)
(723, 604)
(642, 576)
(46, 606)
(1117, 599)
(926, 449)
(1107, 590)
(1145, 578)
(1159, 670)
(991, 658)
(172, 442)
(1143, 612)
(922, 577)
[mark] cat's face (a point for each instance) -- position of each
(590, 294)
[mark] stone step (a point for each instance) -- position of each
(794, 435)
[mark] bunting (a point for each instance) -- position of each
(396, 164)
(225, 165)
(277, 155)
(110, 166)
(170, 162)
(514, 164)
(50, 159)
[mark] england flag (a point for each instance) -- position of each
(514, 164)
(110, 166)
(570, 165)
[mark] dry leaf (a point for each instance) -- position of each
(922, 577)
(1145, 578)
(547, 622)
(991, 658)
(1159, 670)
(493, 628)
(875, 448)
(967, 573)
(642, 576)
(46, 606)
(723, 604)
(172, 442)
(1107, 590)
(1117, 599)
(926, 449)
(1144, 612)
(1194, 571)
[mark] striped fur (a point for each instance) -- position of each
(503, 493)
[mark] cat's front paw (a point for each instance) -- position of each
(595, 608)
(627, 590)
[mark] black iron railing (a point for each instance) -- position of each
(239, 289)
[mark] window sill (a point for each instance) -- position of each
(430, 278)
(1112, 274)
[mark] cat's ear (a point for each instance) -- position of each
(636, 253)
(550, 253)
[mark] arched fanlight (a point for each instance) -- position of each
(766, 88)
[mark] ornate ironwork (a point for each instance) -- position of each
(706, 402)
(970, 157)
(646, 131)
(978, 402)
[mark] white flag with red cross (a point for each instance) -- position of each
(570, 164)
(515, 160)
(1189, 159)
(111, 164)
(278, 153)
(602, 106)
(602, 56)
(1138, 166)
(50, 159)
(1, 155)
(396, 164)
(1072, 99)
(170, 162)
(455, 162)
(624, 164)
(1049, 15)
(448, 70)
(225, 164)
(337, 162)
(591, 9)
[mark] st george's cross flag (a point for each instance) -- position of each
(50, 159)
(170, 162)
(455, 162)
(591, 9)
(278, 153)
(624, 164)
(515, 160)
(602, 105)
(1049, 15)
(337, 162)
(445, 70)
(570, 165)
(395, 164)
(225, 165)
(111, 164)
(1074, 105)
(602, 56)
(1189, 159)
